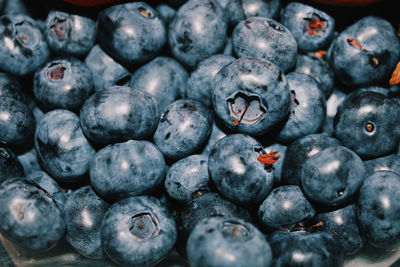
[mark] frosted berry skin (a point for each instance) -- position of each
(251, 95)
(62, 148)
(368, 123)
(184, 128)
(127, 169)
(260, 37)
(163, 78)
(84, 213)
(63, 83)
(236, 171)
(9, 86)
(131, 33)
(10, 166)
(365, 53)
(308, 110)
(118, 114)
(22, 45)
(197, 31)
(138, 231)
(200, 84)
(313, 29)
(31, 220)
(284, 207)
(17, 123)
(333, 176)
(69, 34)
(343, 225)
(378, 209)
(224, 241)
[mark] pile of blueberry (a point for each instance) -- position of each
(237, 132)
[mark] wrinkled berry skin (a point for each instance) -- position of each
(260, 84)
(343, 225)
(163, 78)
(61, 147)
(127, 169)
(84, 212)
(138, 231)
(387, 163)
(68, 34)
(63, 83)
(9, 86)
(30, 219)
(366, 52)
(265, 38)
(222, 241)
(188, 177)
(333, 176)
(197, 31)
(200, 85)
(10, 166)
(308, 110)
(305, 249)
(317, 68)
(313, 29)
(368, 123)
(299, 151)
(22, 45)
(106, 72)
(284, 207)
(17, 123)
(119, 114)
(184, 127)
(131, 33)
(378, 209)
(236, 171)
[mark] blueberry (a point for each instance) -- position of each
(197, 31)
(378, 209)
(184, 128)
(69, 34)
(317, 68)
(200, 85)
(222, 241)
(285, 206)
(251, 95)
(22, 46)
(305, 249)
(17, 124)
(299, 151)
(138, 231)
(106, 72)
(119, 114)
(30, 219)
(333, 176)
(29, 161)
(308, 110)
(277, 166)
(237, 172)
(312, 28)
(9, 86)
(216, 135)
(188, 178)
(368, 124)
(333, 102)
(366, 52)
(127, 169)
(265, 38)
(61, 147)
(343, 225)
(131, 33)
(84, 212)
(387, 163)
(63, 83)
(10, 166)
(166, 12)
(163, 78)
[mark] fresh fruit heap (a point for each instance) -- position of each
(240, 133)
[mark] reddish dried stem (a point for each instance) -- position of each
(270, 158)
(355, 43)
(395, 79)
(240, 117)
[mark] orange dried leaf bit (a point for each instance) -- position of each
(314, 24)
(355, 43)
(395, 79)
(320, 53)
(270, 158)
